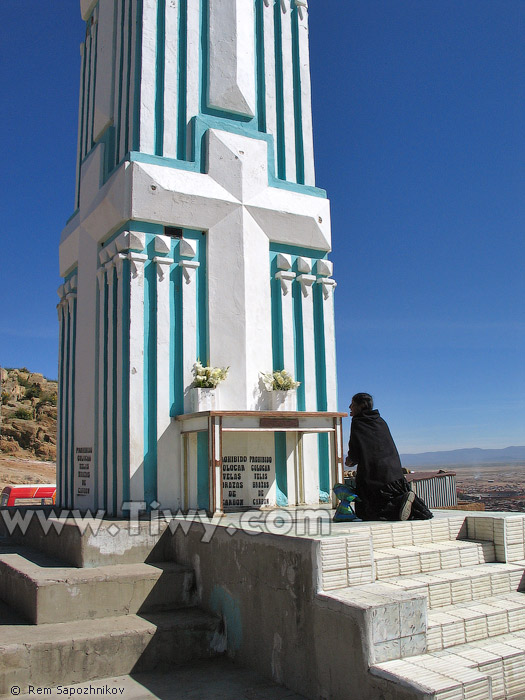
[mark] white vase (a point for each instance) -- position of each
(283, 400)
(203, 399)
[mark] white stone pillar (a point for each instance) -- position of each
(286, 278)
(328, 286)
(269, 73)
(148, 76)
(136, 376)
(71, 306)
(288, 90)
(119, 397)
(189, 325)
(171, 79)
(193, 64)
(168, 433)
(110, 395)
(101, 364)
(306, 95)
(310, 457)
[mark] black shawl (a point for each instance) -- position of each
(371, 446)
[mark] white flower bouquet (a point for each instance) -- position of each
(280, 380)
(208, 377)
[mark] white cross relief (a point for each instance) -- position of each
(241, 214)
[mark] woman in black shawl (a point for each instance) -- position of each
(383, 491)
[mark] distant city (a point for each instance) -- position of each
(495, 478)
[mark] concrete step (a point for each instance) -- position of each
(406, 560)
(441, 528)
(45, 591)
(474, 621)
(83, 650)
(490, 669)
(452, 586)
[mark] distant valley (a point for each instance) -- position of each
(474, 456)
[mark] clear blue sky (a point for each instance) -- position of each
(418, 117)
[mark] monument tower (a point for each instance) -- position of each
(198, 233)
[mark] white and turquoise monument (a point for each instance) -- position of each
(198, 234)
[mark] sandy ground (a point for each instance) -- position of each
(15, 470)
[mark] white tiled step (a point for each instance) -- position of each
(495, 667)
(418, 532)
(407, 560)
(475, 620)
(454, 586)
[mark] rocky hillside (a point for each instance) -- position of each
(28, 425)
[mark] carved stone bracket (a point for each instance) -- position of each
(163, 266)
(70, 298)
(328, 286)
(101, 277)
(286, 279)
(119, 263)
(302, 7)
(187, 267)
(306, 282)
(136, 260)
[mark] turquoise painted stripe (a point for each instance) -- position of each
(177, 405)
(92, 126)
(113, 465)
(98, 365)
(279, 91)
(129, 98)
(298, 108)
(159, 77)
(61, 388)
(203, 472)
(323, 451)
(281, 477)
(277, 316)
(150, 376)
(81, 122)
(183, 79)
(320, 349)
(126, 298)
(68, 467)
(138, 75)
(72, 408)
(122, 7)
(260, 66)
(299, 345)
(106, 407)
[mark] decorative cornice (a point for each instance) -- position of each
(284, 262)
(324, 268)
(130, 240)
(187, 248)
(286, 278)
(304, 265)
(162, 244)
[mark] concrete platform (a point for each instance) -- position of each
(216, 679)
